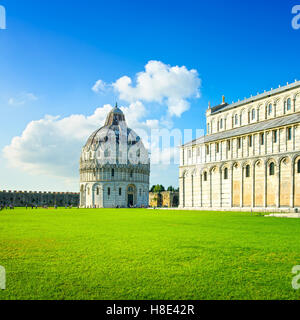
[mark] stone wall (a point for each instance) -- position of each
(23, 198)
(165, 199)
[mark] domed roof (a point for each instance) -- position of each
(115, 117)
(114, 132)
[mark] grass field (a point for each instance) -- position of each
(147, 254)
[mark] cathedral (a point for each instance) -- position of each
(114, 167)
(250, 157)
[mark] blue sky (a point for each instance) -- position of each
(53, 52)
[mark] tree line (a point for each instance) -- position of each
(160, 188)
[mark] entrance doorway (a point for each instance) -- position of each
(131, 195)
(130, 200)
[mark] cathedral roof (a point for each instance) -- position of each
(272, 92)
(248, 129)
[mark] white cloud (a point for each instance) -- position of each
(22, 99)
(52, 145)
(163, 84)
(100, 86)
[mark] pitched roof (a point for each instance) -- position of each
(259, 126)
(264, 95)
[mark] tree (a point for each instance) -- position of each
(158, 188)
(171, 189)
(152, 189)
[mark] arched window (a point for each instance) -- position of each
(225, 173)
(236, 120)
(228, 145)
(289, 133)
(112, 172)
(239, 143)
(298, 166)
(217, 147)
(272, 169)
(250, 141)
(131, 174)
(221, 124)
(120, 191)
(289, 104)
(205, 176)
(247, 171)
(275, 136)
(97, 191)
(270, 109)
(207, 150)
(108, 191)
(208, 128)
(253, 114)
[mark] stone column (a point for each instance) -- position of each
(265, 187)
(294, 137)
(278, 186)
(182, 192)
(231, 187)
(292, 199)
(201, 192)
(242, 187)
(192, 190)
(93, 196)
(220, 188)
(279, 142)
(253, 186)
(221, 150)
(210, 188)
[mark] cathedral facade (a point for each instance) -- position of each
(114, 167)
(250, 157)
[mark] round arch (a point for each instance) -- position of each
(131, 195)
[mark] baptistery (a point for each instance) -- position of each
(114, 166)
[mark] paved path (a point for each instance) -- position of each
(284, 215)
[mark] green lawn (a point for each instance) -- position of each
(147, 254)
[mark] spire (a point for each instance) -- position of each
(115, 116)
